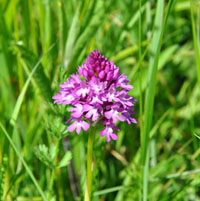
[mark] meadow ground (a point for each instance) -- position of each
(156, 44)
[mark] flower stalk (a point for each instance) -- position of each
(88, 187)
(53, 173)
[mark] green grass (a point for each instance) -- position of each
(155, 43)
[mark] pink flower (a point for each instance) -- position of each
(102, 95)
(108, 131)
(78, 124)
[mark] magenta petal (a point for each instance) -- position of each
(114, 136)
(77, 111)
(133, 120)
(95, 116)
(102, 74)
(70, 120)
(85, 126)
(102, 132)
(108, 114)
(85, 73)
(87, 107)
(78, 129)
(121, 118)
(77, 114)
(109, 75)
(108, 138)
(89, 114)
(57, 96)
(116, 73)
(72, 127)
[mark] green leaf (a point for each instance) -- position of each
(196, 44)
(41, 79)
(46, 155)
(52, 151)
(22, 94)
(155, 46)
(87, 34)
(73, 31)
(23, 162)
(163, 59)
(65, 160)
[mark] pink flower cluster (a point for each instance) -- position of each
(98, 92)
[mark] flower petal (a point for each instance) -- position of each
(72, 127)
(85, 125)
(78, 129)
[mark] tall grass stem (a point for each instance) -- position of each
(155, 46)
(53, 173)
(89, 165)
(23, 162)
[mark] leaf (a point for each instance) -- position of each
(28, 170)
(46, 155)
(65, 160)
(155, 46)
(41, 79)
(52, 151)
(87, 34)
(163, 59)
(196, 44)
(22, 94)
(71, 38)
(128, 51)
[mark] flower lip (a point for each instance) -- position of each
(78, 124)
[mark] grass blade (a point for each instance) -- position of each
(196, 44)
(23, 162)
(22, 94)
(109, 190)
(71, 39)
(151, 83)
(128, 51)
(40, 77)
(155, 47)
(88, 33)
(3, 175)
(155, 52)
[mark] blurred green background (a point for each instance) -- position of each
(155, 43)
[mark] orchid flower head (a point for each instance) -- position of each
(97, 93)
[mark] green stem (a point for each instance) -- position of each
(51, 185)
(140, 79)
(89, 165)
(53, 173)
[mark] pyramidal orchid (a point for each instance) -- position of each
(98, 93)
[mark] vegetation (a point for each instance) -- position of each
(155, 43)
